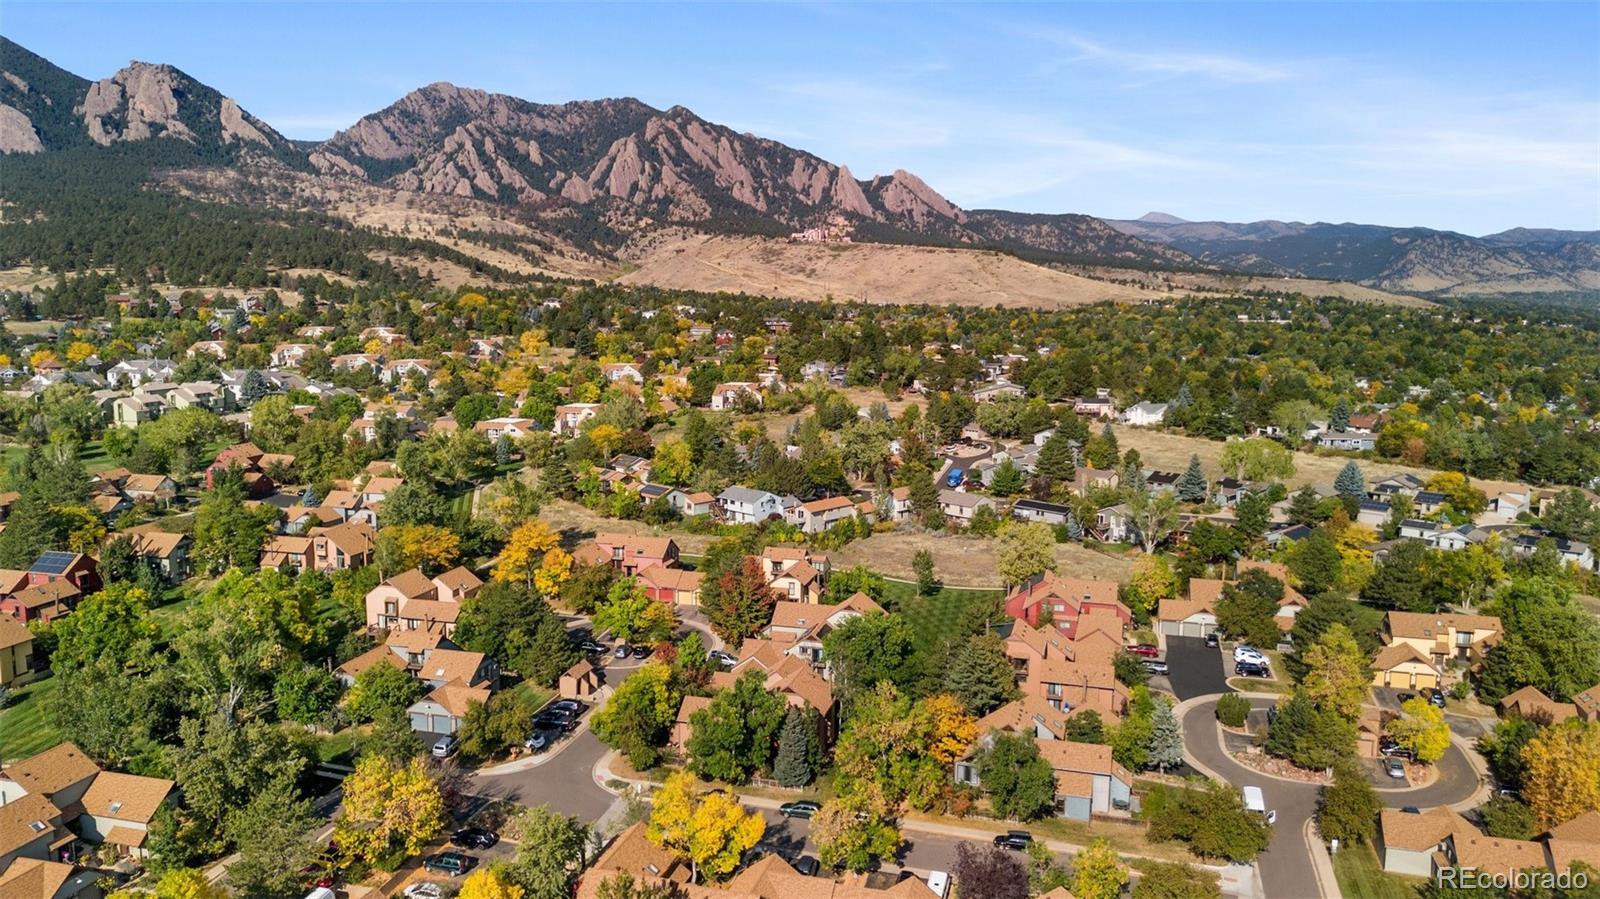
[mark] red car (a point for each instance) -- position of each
(1144, 649)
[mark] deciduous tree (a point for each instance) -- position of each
(1560, 783)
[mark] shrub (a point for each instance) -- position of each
(1233, 709)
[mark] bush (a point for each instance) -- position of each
(1208, 816)
(1461, 690)
(1233, 709)
(1508, 818)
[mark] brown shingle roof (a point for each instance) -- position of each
(455, 698)
(13, 632)
(459, 580)
(126, 797)
(1419, 832)
(1396, 654)
(24, 820)
(449, 665)
(413, 584)
(32, 878)
(55, 769)
(1435, 626)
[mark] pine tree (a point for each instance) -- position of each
(1074, 527)
(1183, 400)
(557, 479)
(793, 767)
(1055, 458)
(981, 676)
(1351, 484)
(1192, 487)
(1166, 739)
(1108, 439)
(1304, 507)
(1339, 418)
(253, 388)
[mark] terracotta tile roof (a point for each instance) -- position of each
(55, 769)
(13, 632)
(125, 797)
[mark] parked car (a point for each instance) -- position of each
(554, 721)
(1394, 768)
(474, 838)
(622, 651)
(807, 865)
(802, 808)
(538, 742)
(451, 863)
(1014, 839)
(953, 479)
(1252, 669)
(445, 747)
(1436, 697)
(1147, 650)
(1213, 639)
(642, 652)
(592, 647)
(722, 657)
(424, 891)
(1243, 653)
(1155, 667)
(568, 705)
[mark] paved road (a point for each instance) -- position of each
(1285, 867)
(1196, 669)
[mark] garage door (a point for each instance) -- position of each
(419, 722)
(441, 724)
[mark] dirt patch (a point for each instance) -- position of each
(966, 561)
(867, 272)
(578, 524)
(1276, 767)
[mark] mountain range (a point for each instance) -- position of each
(606, 180)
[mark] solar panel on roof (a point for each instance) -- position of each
(53, 562)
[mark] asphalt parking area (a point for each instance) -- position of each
(1194, 669)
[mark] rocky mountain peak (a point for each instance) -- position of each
(145, 100)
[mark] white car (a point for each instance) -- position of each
(1242, 653)
(424, 891)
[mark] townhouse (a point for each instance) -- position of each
(415, 602)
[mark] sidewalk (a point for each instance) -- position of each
(1235, 882)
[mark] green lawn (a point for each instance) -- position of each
(25, 728)
(1361, 876)
(934, 616)
(532, 695)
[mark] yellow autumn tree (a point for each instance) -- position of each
(79, 350)
(606, 438)
(427, 546)
(952, 730)
(388, 808)
(710, 830)
(526, 548)
(41, 357)
(553, 572)
(1562, 779)
(178, 883)
(489, 883)
(533, 341)
(1421, 729)
(512, 380)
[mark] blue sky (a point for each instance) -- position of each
(1473, 116)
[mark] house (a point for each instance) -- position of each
(399, 370)
(134, 372)
(167, 552)
(17, 664)
(622, 371)
(1064, 600)
(355, 361)
(802, 626)
(52, 800)
(1353, 441)
(1145, 414)
(729, 395)
(796, 574)
(1408, 841)
(133, 411)
(1194, 616)
(628, 553)
(157, 489)
(216, 349)
(1530, 703)
(1443, 636)
(1088, 779)
(1039, 510)
(959, 507)
(510, 428)
(672, 585)
(412, 601)
(1001, 389)
(569, 418)
(1587, 704)
(1068, 676)
(1437, 841)
(692, 504)
(33, 878)
(253, 464)
(350, 544)
(820, 514)
(1404, 666)
(1571, 552)
(742, 505)
(290, 355)
(1098, 407)
(682, 726)
(383, 335)
(1087, 479)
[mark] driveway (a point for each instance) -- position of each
(1285, 867)
(1457, 781)
(1195, 668)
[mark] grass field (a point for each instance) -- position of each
(25, 727)
(935, 616)
(1361, 876)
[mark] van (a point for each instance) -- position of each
(1254, 801)
(322, 893)
(939, 883)
(953, 479)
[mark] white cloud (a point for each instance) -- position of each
(1218, 67)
